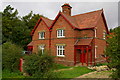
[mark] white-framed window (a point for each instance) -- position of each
(41, 48)
(60, 51)
(41, 35)
(104, 35)
(60, 33)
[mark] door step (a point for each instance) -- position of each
(80, 64)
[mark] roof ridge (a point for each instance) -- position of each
(88, 12)
(71, 19)
(46, 18)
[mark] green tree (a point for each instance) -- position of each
(31, 19)
(11, 55)
(0, 27)
(13, 28)
(17, 29)
(113, 51)
(9, 19)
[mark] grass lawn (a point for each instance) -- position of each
(60, 66)
(8, 74)
(66, 73)
(75, 72)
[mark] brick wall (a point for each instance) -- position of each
(68, 40)
(100, 42)
(37, 41)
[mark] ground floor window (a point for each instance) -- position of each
(60, 50)
(41, 48)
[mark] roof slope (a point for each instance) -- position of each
(31, 43)
(81, 21)
(84, 42)
(87, 20)
(47, 22)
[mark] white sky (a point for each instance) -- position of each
(50, 8)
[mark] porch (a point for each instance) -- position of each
(84, 53)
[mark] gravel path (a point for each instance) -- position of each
(96, 74)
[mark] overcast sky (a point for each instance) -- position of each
(51, 9)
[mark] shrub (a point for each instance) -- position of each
(113, 51)
(11, 54)
(39, 65)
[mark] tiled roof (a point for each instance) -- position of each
(47, 21)
(87, 20)
(31, 43)
(71, 19)
(81, 21)
(84, 42)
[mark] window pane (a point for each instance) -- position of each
(60, 52)
(42, 35)
(60, 47)
(60, 33)
(63, 52)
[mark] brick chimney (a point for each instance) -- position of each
(66, 9)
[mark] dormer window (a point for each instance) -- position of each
(60, 33)
(41, 35)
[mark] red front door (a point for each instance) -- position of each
(83, 56)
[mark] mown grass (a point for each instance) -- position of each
(75, 72)
(60, 66)
(68, 73)
(8, 74)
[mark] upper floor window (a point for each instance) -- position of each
(60, 33)
(60, 50)
(41, 35)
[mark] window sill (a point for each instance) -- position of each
(61, 37)
(42, 39)
(60, 56)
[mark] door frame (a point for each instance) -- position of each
(82, 48)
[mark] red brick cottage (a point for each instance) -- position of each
(72, 39)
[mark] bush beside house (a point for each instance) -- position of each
(11, 55)
(113, 51)
(39, 65)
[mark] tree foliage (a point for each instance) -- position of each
(113, 51)
(0, 27)
(11, 55)
(17, 29)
